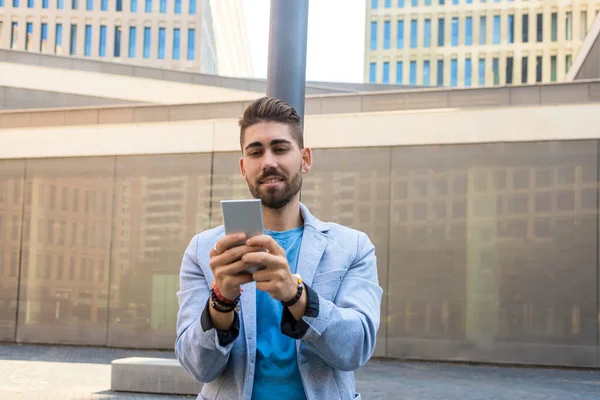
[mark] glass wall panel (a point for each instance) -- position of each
(351, 187)
(161, 202)
(12, 177)
(494, 252)
(227, 184)
(65, 257)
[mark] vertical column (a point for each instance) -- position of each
(286, 74)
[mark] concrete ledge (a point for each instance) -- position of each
(151, 375)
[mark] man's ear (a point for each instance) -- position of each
(306, 160)
(242, 170)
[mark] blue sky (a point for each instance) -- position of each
(335, 39)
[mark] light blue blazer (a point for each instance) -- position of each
(339, 264)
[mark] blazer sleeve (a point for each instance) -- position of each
(343, 333)
(199, 352)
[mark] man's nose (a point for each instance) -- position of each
(269, 161)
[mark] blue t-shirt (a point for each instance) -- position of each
(276, 375)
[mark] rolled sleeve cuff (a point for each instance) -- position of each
(225, 337)
(297, 329)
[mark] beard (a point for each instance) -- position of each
(276, 198)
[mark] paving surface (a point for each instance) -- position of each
(65, 373)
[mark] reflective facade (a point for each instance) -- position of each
(486, 252)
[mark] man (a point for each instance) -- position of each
(300, 327)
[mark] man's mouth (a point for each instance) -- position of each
(270, 180)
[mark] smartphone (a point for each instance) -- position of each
(243, 216)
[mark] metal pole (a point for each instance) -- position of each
(286, 74)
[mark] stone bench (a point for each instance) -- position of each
(151, 375)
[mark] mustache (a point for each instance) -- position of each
(271, 172)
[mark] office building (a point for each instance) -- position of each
(474, 42)
(173, 34)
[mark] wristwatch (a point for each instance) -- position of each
(298, 293)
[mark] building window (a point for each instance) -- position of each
(509, 70)
(538, 69)
(554, 27)
(119, 5)
(28, 35)
(88, 40)
(511, 29)
(373, 35)
(583, 25)
(133, 6)
(146, 42)
(496, 70)
(553, 69)
(73, 40)
(15, 3)
(148, 6)
(400, 35)
(386, 72)
(132, 42)
(386, 35)
(14, 35)
(496, 38)
(454, 31)
(481, 71)
(483, 29)
(104, 5)
(161, 43)
(426, 72)
(469, 31)
(177, 6)
(191, 44)
(176, 43)
(525, 28)
(372, 72)
(399, 73)
(415, 3)
(29, 3)
(568, 60)
(117, 45)
(388, 4)
(58, 39)
(413, 34)
(74, 4)
(539, 27)
(569, 26)
(89, 5)
(440, 72)
(192, 7)
(453, 72)
(102, 47)
(468, 72)
(374, 4)
(60, 4)
(427, 41)
(44, 3)
(163, 6)
(524, 70)
(400, 3)
(43, 37)
(413, 73)
(441, 32)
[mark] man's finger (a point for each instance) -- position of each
(233, 268)
(226, 242)
(267, 242)
(262, 258)
(240, 279)
(231, 255)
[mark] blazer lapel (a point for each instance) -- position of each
(311, 251)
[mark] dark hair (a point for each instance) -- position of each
(268, 109)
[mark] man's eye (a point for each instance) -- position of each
(280, 149)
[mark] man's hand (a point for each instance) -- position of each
(276, 279)
(227, 266)
(228, 269)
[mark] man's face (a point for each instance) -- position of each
(272, 163)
